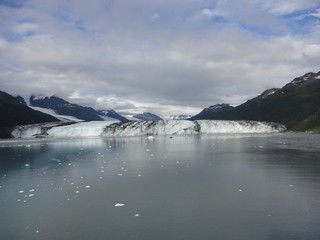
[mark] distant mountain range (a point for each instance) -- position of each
(147, 116)
(63, 107)
(13, 113)
(296, 105)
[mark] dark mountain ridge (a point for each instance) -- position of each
(63, 107)
(296, 105)
(13, 113)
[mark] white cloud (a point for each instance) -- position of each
(152, 55)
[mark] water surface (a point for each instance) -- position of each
(181, 187)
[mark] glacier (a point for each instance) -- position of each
(143, 128)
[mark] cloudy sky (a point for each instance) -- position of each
(163, 56)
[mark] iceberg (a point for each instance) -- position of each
(144, 128)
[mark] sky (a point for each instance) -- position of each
(162, 56)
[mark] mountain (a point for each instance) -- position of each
(147, 116)
(296, 105)
(63, 107)
(179, 117)
(213, 108)
(112, 114)
(13, 113)
(268, 92)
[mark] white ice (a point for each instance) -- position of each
(83, 129)
(146, 128)
(64, 118)
(119, 205)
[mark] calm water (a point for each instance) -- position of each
(194, 187)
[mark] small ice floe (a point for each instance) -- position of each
(28, 145)
(31, 195)
(150, 137)
(137, 215)
(177, 162)
(32, 190)
(37, 231)
(119, 174)
(88, 186)
(260, 146)
(102, 171)
(147, 150)
(18, 200)
(21, 191)
(77, 191)
(139, 175)
(119, 205)
(27, 165)
(269, 215)
(240, 190)
(290, 185)
(69, 164)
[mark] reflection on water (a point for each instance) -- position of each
(181, 187)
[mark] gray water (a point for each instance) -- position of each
(184, 187)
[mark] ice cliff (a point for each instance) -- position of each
(145, 128)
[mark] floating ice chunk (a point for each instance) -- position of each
(31, 190)
(88, 186)
(21, 191)
(139, 175)
(290, 185)
(77, 191)
(137, 215)
(240, 190)
(119, 174)
(31, 195)
(119, 205)
(27, 165)
(150, 137)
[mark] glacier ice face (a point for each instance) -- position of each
(181, 127)
(83, 129)
(144, 128)
(32, 130)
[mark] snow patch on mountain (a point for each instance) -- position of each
(64, 118)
